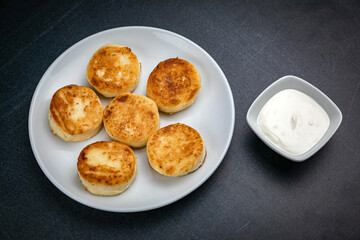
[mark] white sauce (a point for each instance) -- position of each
(293, 121)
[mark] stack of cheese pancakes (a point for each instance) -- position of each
(132, 121)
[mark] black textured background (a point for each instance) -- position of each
(255, 193)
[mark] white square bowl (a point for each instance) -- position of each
(292, 82)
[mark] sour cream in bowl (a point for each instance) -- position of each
(294, 118)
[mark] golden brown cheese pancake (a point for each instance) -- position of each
(175, 150)
(131, 119)
(113, 69)
(106, 168)
(173, 85)
(75, 113)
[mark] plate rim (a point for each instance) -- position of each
(148, 207)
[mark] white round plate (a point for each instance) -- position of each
(212, 115)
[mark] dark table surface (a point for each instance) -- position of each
(255, 193)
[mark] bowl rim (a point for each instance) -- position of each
(293, 82)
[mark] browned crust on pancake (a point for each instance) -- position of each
(118, 76)
(131, 119)
(63, 109)
(104, 174)
(173, 85)
(175, 150)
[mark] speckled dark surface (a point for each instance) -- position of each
(255, 193)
